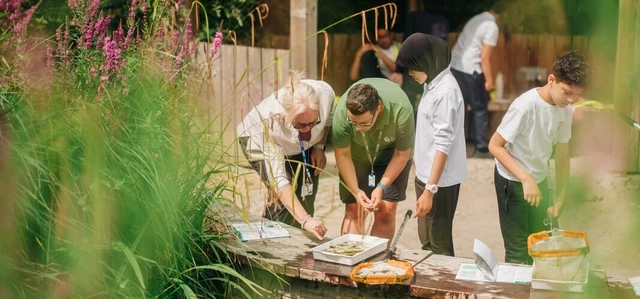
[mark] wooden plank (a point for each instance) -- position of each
(580, 44)
(285, 66)
(518, 57)
(229, 60)
(268, 72)
(340, 60)
(546, 51)
(241, 104)
(562, 44)
(254, 76)
(304, 23)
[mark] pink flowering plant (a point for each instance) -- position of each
(106, 179)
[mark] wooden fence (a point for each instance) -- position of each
(240, 77)
(519, 50)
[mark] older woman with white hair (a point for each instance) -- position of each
(283, 138)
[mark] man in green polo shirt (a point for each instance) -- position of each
(372, 133)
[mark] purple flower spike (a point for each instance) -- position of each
(215, 46)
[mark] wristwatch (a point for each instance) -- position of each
(431, 188)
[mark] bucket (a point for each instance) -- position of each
(558, 255)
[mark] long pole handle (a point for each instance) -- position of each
(629, 120)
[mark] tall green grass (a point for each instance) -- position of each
(107, 192)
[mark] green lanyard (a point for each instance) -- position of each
(366, 146)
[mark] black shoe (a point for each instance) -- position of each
(480, 154)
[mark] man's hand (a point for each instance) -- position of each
(318, 159)
(376, 197)
(316, 227)
(531, 192)
(396, 78)
(424, 204)
(363, 200)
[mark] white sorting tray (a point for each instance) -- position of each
(576, 285)
(374, 245)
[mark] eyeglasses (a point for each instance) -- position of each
(300, 126)
(363, 124)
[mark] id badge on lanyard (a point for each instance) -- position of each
(372, 180)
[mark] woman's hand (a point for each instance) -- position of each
(318, 159)
(316, 227)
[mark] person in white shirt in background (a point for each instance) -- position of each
(471, 65)
(536, 122)
(283, 138)
(439, 140)
(377, 61)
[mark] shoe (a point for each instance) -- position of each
(479, 154)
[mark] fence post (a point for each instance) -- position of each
(304, 23)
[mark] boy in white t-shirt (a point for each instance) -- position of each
(536, 121)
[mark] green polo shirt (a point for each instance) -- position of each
(396, 122)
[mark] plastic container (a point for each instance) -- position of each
(558, 255)
(373, 246)
(577, 285)
(499, 86)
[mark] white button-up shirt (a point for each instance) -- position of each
(440, 127)
(272, 137)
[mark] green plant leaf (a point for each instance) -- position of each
(132, 261)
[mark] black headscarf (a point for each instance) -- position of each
(425, 53)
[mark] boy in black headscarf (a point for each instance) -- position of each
(439, 139)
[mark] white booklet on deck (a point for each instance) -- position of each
(265, 229)
(487, 268)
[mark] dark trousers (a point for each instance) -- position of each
(436, 228)
(474, 94)
(518, 219)
(369, 67)
(274, 209)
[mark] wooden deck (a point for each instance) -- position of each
(304, 277)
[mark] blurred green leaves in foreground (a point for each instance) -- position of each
(104, 174)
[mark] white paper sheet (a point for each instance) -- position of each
(505, 273)
(487, 268)
(485, 259)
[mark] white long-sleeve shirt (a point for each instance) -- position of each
(272, 137)
(440, 127)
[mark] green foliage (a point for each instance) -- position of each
(232, 13)
(107, 180)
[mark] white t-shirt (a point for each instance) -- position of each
(272, 136)
(531, 128)
(392, 53)
(481, 30)
(440, 127)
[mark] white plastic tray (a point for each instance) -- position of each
(374, 245)
(558, 285)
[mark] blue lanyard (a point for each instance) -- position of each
(304, 158)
